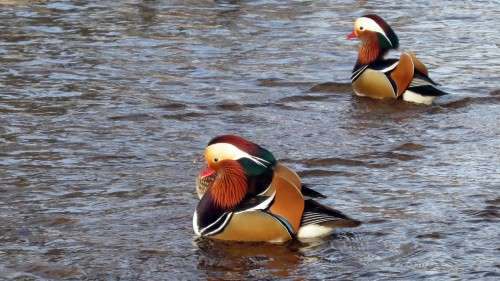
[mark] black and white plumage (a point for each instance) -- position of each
(319, 220)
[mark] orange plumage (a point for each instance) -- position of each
(230, 185)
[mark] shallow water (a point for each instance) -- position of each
(106, 105)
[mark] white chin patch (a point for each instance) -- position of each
(313, 231)
(417, 98)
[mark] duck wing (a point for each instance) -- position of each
(316, 213)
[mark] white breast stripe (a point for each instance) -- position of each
(389, 68)
(358, 72)
(264, 192)
(262, 206)
(222, 225)
(210, 225)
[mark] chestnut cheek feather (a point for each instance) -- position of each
(369, 50)
(230, 185)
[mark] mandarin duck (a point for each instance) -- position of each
(376, 77)
(247, 195)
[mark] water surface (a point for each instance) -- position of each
(106, 105)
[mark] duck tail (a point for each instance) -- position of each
(319, 220)
(427, 90)
(311, 193)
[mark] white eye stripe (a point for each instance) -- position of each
(259, 160)
(369, 24)
(231, 152)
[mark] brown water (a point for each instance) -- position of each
(104, 105)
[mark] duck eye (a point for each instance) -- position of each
(216, 159)
(361, 28)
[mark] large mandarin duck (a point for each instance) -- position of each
(376, 77)
(246, 195)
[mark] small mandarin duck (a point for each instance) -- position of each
(376, 77)
(246, 195)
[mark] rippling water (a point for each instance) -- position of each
(105, 105)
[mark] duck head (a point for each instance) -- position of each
(376, 37)
(231, 161)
